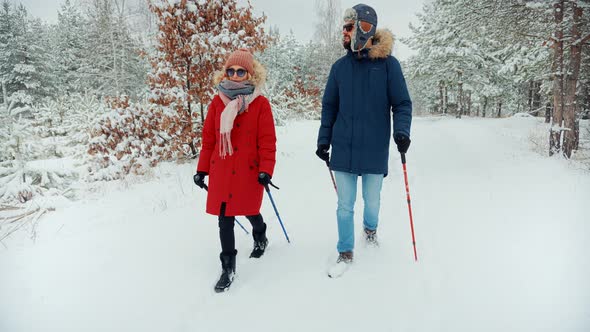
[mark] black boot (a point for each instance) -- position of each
(260, 243)
(228, 270)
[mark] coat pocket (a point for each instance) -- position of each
(253, 163)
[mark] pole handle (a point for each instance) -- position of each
(403, 157)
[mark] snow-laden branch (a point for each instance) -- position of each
(582, 40)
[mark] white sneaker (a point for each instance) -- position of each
(342, 264)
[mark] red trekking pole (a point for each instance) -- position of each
(333, 181)
(332, 176)
(409, 205)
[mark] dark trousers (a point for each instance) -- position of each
(226, 229)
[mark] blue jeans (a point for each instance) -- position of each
(346, 183)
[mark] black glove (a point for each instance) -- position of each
(199, 179)
(403, 142)
(322, 153)
(263, 178)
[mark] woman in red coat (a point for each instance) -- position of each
(238, 154)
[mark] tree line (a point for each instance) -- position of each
(494, 58)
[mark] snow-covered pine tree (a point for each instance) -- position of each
(65, 122)
(31, 164)
(23, 76)
(428, 79)
(280, 58)
(112, 64)
(6, 52)
(43, 148)
(501, 47)
(194, 38)
(142, 24)
(15, 186)
(291, 88)
(41, 82)
(25, 170)
(67, 49)
(457, 61)
(293, 85)
(307, 71)
(526, 43)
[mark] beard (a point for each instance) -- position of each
(346, 44)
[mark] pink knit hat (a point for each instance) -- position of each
(242, 58)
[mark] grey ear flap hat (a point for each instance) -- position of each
(365, 22)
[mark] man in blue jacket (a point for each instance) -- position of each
(364, 87)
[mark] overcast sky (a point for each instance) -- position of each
(296, 15)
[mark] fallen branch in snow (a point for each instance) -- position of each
(540, 109)
(9, 207)
(18, 217)
(8, 233)
(31, 215)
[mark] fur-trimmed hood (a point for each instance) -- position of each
(360, 84)
(258, 77)
(382, 44)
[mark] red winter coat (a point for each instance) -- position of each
(234, 179)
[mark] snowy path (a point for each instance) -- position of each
(497, 252)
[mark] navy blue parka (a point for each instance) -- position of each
(363, 95)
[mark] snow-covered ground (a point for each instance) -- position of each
(502, 232)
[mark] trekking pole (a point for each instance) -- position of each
(276, 211)
(333, 181)
(207, 189)
(409, 205)
(332, 176)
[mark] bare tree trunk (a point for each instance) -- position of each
(188, 88)
(446, 102)
(530, 98)
(570, 110)
(500, 109)
(469, 103)
(5, 95)
(485, 105)
(536, 98)
(442, 97)
(119, 71)
(459, 94)
(327, 27)
(8, 106)
(189, 119)
(555, 137)
(577, 132)
(114, 50)
(548, 111)
(585, 107)
(202, 115)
